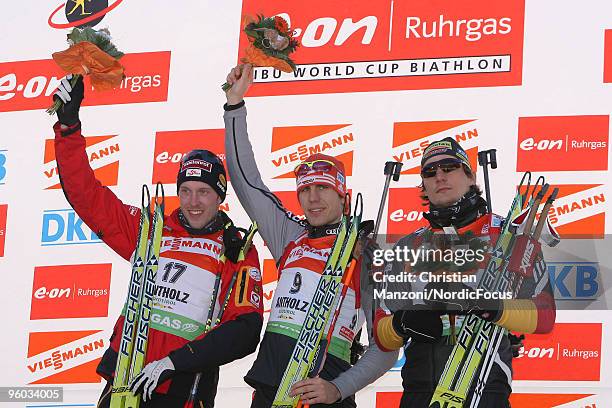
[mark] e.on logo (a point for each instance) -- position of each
(70, 291)
(292, 145)
(171, 146)
(411, 138)
(571, 352)
(393, 45)
(563, 143)
(65, 357)
(26, 85)
(103, 153)
(405, 212)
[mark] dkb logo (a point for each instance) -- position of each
(575, 280)
(64, 227)
(2, 166)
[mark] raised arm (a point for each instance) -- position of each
(277, 226)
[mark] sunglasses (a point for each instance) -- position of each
(446, 165)
(315, 165)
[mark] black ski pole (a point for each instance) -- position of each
(485, 158)
(392, 170)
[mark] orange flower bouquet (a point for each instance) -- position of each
(92, 53)
(271, 43)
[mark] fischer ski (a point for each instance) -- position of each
(309, 347)
(248, 240)
(137, 309)
(478, 340)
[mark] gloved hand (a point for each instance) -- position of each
(422, 324)
(68, 114)
(153, 374)
(486, 308)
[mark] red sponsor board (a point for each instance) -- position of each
(563, 143)
(411, 138)
(26, 85)
(405, 212)
(392, 45)
(3, 213)
(608, 56)
(103, 153)
(65, 357)
(70, 291)
(293, 144)
(579, 211)
(392, 399)
(171, 146)
(548, 400)
(571, 352)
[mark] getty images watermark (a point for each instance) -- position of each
(418, 284)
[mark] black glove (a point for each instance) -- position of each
(68, 113)
(422, 325)
(516, 343)
(486, 308)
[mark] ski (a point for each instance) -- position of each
(475, 333)
(141, 290)
(308, 345)
(248, 240)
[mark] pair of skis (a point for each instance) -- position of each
(248, 240)
(308, 355)
(139, 302)
(511, 261)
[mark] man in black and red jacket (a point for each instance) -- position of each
(199, 243)
(427, 329)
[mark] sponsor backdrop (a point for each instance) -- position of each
(376, 81)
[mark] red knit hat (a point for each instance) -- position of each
(308, 173)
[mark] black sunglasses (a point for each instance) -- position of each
(447, 165)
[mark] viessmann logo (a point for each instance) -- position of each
(292, 145)
(27, 85)
(391, 45)
(171, 146)
(563, 143)
(405, 212)
(103, 153)
(571, 352)
(70, 291)
(579, 211)
(411, 138)
(65, 357)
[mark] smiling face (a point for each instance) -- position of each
(321, 204)
(445, 189)
(199, 203)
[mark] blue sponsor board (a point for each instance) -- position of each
(64, 227)
(575, 280)
(3, 155)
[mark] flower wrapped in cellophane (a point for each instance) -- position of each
(92, 53)
(271, 42)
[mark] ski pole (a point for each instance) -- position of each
(392, 170)
(486, 158)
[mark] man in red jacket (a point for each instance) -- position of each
(199, 243)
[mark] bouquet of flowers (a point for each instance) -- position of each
(92, 53)
(271, 43)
